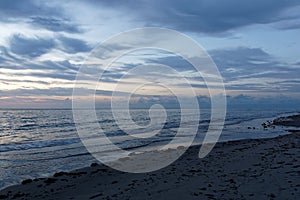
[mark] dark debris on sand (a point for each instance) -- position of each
(288, 121)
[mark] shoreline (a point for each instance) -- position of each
(249, 128)
(228, 167)
(194, 144)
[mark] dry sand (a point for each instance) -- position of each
(247, 169)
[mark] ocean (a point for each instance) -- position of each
(38, 143)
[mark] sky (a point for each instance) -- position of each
(255, 45)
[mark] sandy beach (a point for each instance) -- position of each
(246, 169)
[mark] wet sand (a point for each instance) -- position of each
(246, 169)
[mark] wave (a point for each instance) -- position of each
(36, 145)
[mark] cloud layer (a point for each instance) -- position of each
(43, 44)
(206, 16)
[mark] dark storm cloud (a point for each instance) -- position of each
(31, 47)
(208, 16)
(73, 45)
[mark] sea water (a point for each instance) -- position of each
(38, 143)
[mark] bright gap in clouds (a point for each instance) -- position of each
(150, 72)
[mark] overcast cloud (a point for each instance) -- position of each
(255, 44)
